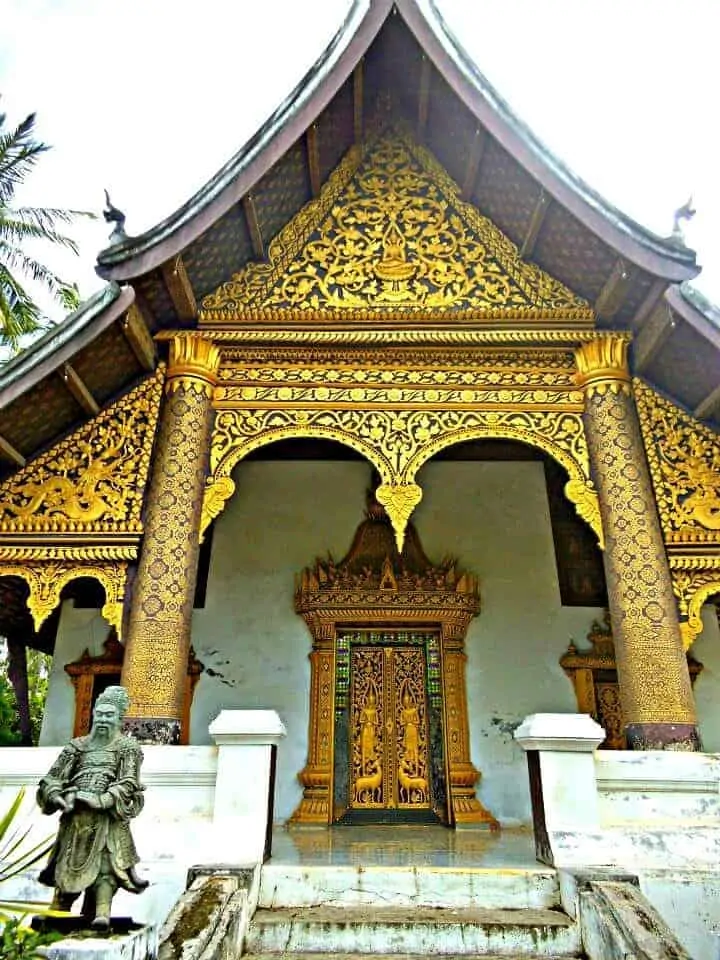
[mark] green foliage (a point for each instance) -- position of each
(9, 735)
(16, 856)
(38, 674)
(19, 942)
(19, 314)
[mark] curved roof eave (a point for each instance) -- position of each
(136, 256)
(62, 342)
(293, 116)
(696, 310)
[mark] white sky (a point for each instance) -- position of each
(151, 97)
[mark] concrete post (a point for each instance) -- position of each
(561, 765)
(243, 809)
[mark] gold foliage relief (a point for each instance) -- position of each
(389, 724)
(94, 480)
(46, 581)
(684, 458)
(398, 443)
(395, 238)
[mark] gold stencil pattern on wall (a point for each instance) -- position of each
(396, 238)
(684, 458)
(94, 480)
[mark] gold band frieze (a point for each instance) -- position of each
(503, 399)
(20, 552)
(401, 336)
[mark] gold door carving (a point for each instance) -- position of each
(390, 762)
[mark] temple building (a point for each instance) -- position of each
(396, 428)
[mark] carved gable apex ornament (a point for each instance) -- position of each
(389, 236)
(684, 458)
(91, 483)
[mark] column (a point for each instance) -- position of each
(655, 691)
(316, 776)
(158, 633)
(462, 774)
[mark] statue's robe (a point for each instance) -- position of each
(89, 841)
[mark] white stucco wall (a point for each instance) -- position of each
(706, 649)
(79, 630)
(493, 516)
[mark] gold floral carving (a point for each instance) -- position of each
(399, 442)
(602, 364)
(395, 238)
(684, 458)
(695, 580)
(46, 581)
(93, 482)
(192, 365)
(399, 501)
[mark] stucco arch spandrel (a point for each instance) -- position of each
(559, 434)
(46, 581)
(693, 587)
(238, 432)
(398, 443)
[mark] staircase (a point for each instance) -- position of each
(409, 911)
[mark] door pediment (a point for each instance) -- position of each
(389, 236)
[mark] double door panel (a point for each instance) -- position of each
(389, 729)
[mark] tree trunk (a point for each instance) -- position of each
(17, 674)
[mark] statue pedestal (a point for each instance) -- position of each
(243, 807)
(125, 942)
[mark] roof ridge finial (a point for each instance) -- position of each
(686, 212)
(116, 217)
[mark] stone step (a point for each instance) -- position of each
(283, 885)
(419, 930)
(411, 956)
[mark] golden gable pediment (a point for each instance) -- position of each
(390, 235)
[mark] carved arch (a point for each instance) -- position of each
(398, 443)
(46, 581)
(693, 587)
(579, 489)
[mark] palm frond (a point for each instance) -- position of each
(17, 231)
(19, 152)
(15, 259)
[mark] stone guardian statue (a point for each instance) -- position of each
(95, 784)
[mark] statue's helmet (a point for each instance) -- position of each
(118, 697)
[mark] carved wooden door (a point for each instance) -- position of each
(395, 767)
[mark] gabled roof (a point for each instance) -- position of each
(453, 69)
(388, 62)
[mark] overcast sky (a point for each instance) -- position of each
(150, 97)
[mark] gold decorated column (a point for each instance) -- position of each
(655, 692)
(158, 635)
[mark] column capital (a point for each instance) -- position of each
(193, 362)
(604, 361)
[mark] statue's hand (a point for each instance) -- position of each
(64, 803)
(89, 799)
